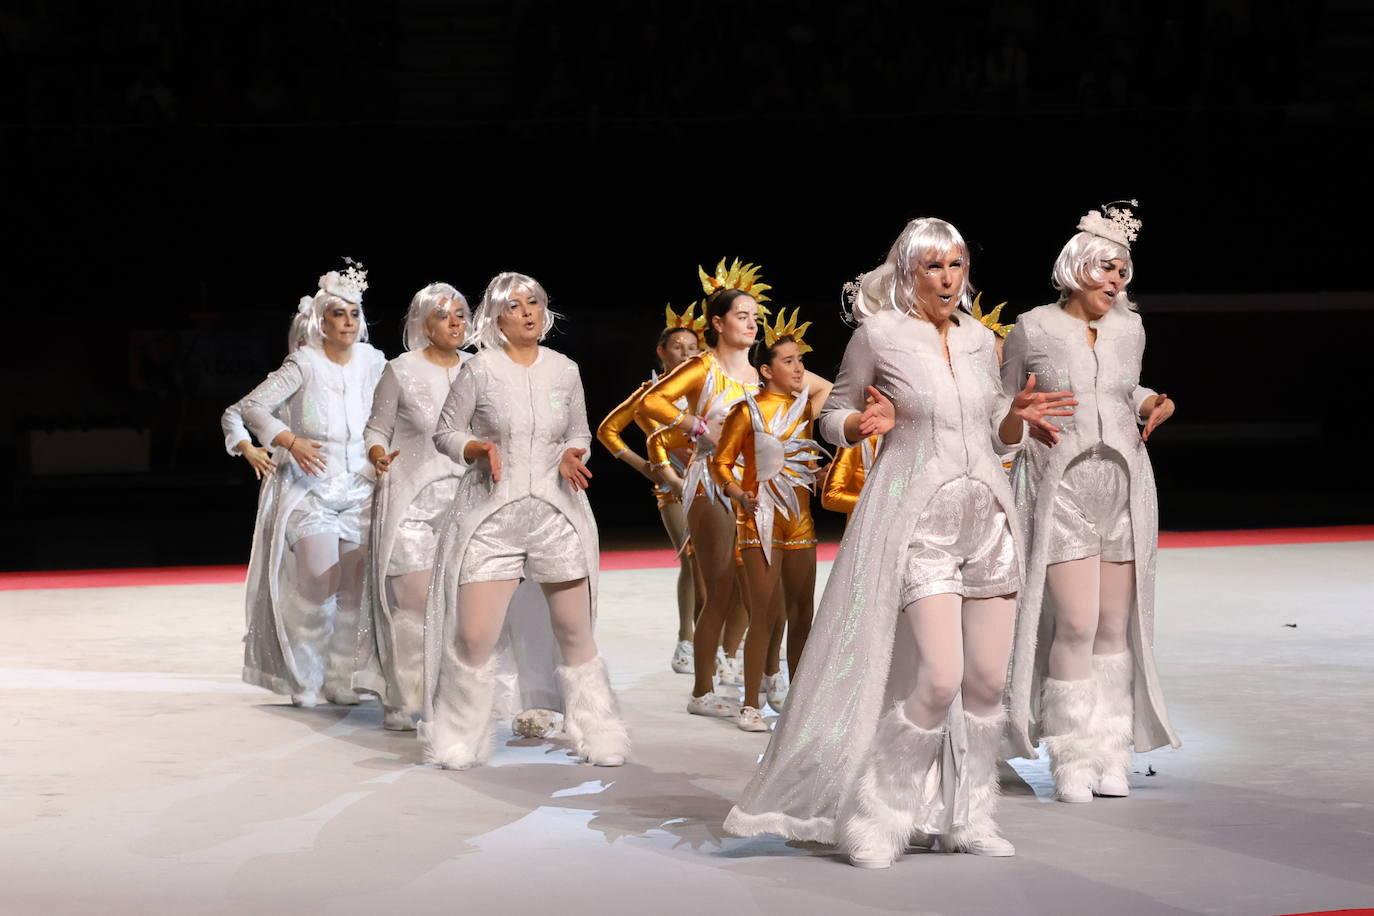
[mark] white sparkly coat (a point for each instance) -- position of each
(1105, 379)
(946, 427)
(330, 404)
(405, 412)
(533, 414)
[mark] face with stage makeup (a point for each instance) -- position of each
(521, 318)
(446, 326)
(341, 322)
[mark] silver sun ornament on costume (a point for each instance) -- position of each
(783, 460)
(711, 404)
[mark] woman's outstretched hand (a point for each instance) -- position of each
(878, 416)
(573, 470)
(1035, 407)
(1162, 410)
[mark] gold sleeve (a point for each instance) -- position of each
(658, 406)
(735, 438)
(844, 480)
(658, 446)
(608, 433)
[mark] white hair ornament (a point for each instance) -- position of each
(349, 285)
(1113, 223)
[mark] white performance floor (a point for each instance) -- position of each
(137, 775)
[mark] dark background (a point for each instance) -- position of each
(178, 174)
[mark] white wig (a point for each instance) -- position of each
(893, 284)
(1079, 263)
(423, 304)
(319, 304)
(299, 334)
(500, 292)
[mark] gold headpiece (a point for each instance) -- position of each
(686, 320)
(743, 277)
(785, 327)
(990, 319)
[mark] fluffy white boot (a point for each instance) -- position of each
(1114, 723)
(980, 836)
(886, 805)
(1066, 710)
(343, 643)
(591, 716)
(460, 734)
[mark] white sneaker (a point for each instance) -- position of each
(776, 686)
(397, 720)
(342, 696)
(862, 858)
(992, 846)
(731, 673)
(305, 700)
(1113, 785)
(751, 720)
(684, 661)
(709, 704)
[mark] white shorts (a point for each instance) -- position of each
(528, 537)
(340, 505)
(962, 545)
(417, 537)
(1092, 509)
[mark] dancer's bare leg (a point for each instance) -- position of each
(738, 620)
(713, 538)
(799, 594)
(761, 578)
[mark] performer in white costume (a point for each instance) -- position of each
(305, 579)
(892, 729)
(415, 487)
(1085, 676)
(517, 417)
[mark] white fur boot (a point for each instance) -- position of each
(1066, 712)
(1114, 723)
(980, 836)
(460, 734)
(591, 716)
(343, 643)
(886, 804)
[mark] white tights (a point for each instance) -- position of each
(322, 624)
(961, 644)
(1092, 600)
(484, 607)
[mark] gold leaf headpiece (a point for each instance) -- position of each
(990, 319)
(696, 324)
(787, 327)
(743, 277)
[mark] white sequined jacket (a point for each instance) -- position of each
(1105, 379)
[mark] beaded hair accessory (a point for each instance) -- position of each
(787, 327)
(688, 320)
(989, 320)
(349, 285)
(1113, 223)
(743, 277)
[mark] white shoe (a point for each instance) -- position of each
(751, 720)
(397, 720)
(919, 840)
(710, 704)
(776, 686)
(991, 846)
(1076, 794)
(731, 672)
(342, 696)
(1113, 785)
(859, 860)
(305, 700)
(684, 661)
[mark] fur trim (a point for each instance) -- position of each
(884, 808)
(984, 786)
(591, 716)
(1067, 709)
(460, 734)
(808, 830)
(1113, 723)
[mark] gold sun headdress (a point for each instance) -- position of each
(743, 277)
(787, 327)
(688, 319)
(990, 319)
